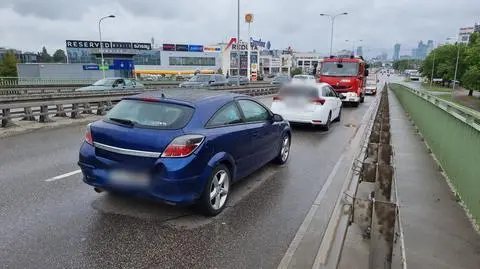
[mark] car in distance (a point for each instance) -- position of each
(204, 80)
(233, 80)
(113, 84)
(182, 147)
(316, 104)
(371, 88)
(303, 79)
(281, 79)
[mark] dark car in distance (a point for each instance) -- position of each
(234, 80)
(205, 80)
(183, 146)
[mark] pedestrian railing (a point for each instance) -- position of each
(70, 104)
(452, 132)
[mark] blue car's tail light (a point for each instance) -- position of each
(88, 135)
(183, 146)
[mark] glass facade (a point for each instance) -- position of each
(191, 61)
(148, 58)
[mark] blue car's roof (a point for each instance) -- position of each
(192, 96)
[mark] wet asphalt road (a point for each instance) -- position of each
(65, 224)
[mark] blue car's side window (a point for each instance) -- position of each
(253, 111)
(226, 115)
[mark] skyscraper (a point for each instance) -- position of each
(429, 46)
(396, 52)
(360, 51)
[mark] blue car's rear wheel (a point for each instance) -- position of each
(284, 150)
(216, 193)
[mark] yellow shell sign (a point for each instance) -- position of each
(248, 17)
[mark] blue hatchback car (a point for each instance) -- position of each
(182, 146)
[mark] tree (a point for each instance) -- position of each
(44, 57)
(295, 71)
(471, 79)
(220, 71)
(445, 61)
(59, 56)
(8, 66)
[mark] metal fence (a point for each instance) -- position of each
(72, 104)
(453, 134)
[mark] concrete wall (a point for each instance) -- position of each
(60, 71)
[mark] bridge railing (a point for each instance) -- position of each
(452, 133)
(73, 104)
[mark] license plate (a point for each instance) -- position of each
(128, 178)
(351, 99)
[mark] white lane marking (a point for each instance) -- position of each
(64, 175)
(287, 258)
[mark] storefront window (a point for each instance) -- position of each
(192, 61)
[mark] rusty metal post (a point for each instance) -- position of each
(28, 114)
(6, 118)
(44, 117)
(87, 109)
(74, 114)
(101, 108)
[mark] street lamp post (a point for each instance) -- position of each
(332, 18)
(101, 43)
(238, 41)
(433, 68)
(456, 67)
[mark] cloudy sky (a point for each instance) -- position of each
(31, 24)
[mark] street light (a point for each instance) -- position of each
(101, 43)
(456, 66)
(238, 41)
(353, 44)
(433, 67)
(333, 21)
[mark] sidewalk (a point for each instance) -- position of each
(437, 232)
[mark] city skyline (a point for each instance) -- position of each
(29, 25)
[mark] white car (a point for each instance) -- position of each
(317, 104)
(308, 79)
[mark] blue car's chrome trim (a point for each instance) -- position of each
(132, 152)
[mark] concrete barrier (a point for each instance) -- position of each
(43, 105)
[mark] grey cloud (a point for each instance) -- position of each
(52, 9)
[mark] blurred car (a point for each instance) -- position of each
(182, 147)
(270, 76)
(233, 80)
(202, 80)
(316, 104)
(303, 79)
(371, 88)
(280, 80)
(112, 84)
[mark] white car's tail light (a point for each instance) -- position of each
(318, 101)
(183, 146)
(88, 135)
(277, 98)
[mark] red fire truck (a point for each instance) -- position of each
(347, 75)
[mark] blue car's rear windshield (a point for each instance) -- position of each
(158, 115)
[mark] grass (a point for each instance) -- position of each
(469, 102)
(436, 88)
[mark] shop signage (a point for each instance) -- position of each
(91, 67)
(107, 45)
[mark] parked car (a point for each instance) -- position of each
(234, 79)
(303, 79)
(316, 104)
(202, 80)
(114, 83)
(182, 147)
(279, 80)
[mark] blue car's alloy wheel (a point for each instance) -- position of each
(284, 150)
(216, 192)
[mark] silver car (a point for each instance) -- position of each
(113, 84)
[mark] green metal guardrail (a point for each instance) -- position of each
(453, 134)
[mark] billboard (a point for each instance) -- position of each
(90, 44)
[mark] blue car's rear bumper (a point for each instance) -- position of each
(178, 181)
